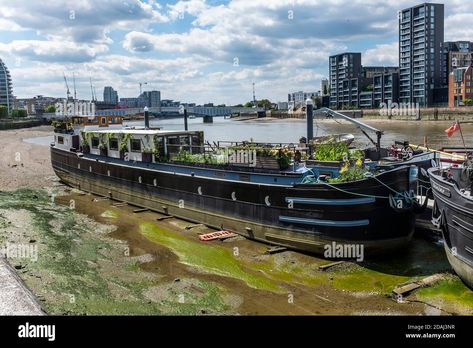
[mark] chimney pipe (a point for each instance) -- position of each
(310, 119)
(185, 118)
(146, 117)
(310, 123)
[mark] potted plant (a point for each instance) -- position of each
(103, 149)
(124, 140)
(103, 145)
(85, 147)
(147, 155)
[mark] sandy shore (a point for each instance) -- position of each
(24, 164)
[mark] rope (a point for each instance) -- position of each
(408, 197)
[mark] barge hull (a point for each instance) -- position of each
(306, 228)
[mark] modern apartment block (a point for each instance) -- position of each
(354, 85)
(153, 98)
(460, 86)
(324, 87)
(382, 88)
(297, 99)
(110, 96)
(345, 72)
(369, 72)
(150, 99)
(421, 33)
(6, 90)
(457, 54)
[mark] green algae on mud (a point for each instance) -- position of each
(109, 214)
(207, 257)
(79, 269)
(450, 290)
(82, 270)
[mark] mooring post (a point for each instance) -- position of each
(310, 122)
(146, 117)
(185, 118)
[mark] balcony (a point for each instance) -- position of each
(418, 29)
(418, 22)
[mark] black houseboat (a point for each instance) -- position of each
(296, 205)
(453, 214)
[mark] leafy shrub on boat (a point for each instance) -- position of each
(337, 152)
(350, 173)
(185, 156)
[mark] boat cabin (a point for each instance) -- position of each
(142, 145)
(67, 131)
(98, 121)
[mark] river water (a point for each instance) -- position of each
(290, 130)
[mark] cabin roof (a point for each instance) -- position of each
(144, 131)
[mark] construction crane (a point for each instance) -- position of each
(68, 93)
(142, 83)
(74, 83)
(92, 90)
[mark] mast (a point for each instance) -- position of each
(74, 83)
(68, 93)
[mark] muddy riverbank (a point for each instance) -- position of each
(94, 257)
(98, 258)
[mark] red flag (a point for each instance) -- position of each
(452, 129)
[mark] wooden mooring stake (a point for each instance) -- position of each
(406, 289)
(188, 227)
(329, 265)
(140, 210)
(120, 204)
(100, 199)
(164, 217)
(275, 250)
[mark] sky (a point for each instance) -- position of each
(199, 50)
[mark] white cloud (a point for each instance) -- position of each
(384, 55)
(195, 43)
(58, 51)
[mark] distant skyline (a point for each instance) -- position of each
(199, 51)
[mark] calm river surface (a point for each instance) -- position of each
(287, 131)
(290, 130)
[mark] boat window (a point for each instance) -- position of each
(196, 144)
(103, 120)
(184, 141)
(173, 144)
(95, 142)
(60, 140)
(135, 145)
(113, 144)
(160, 146)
